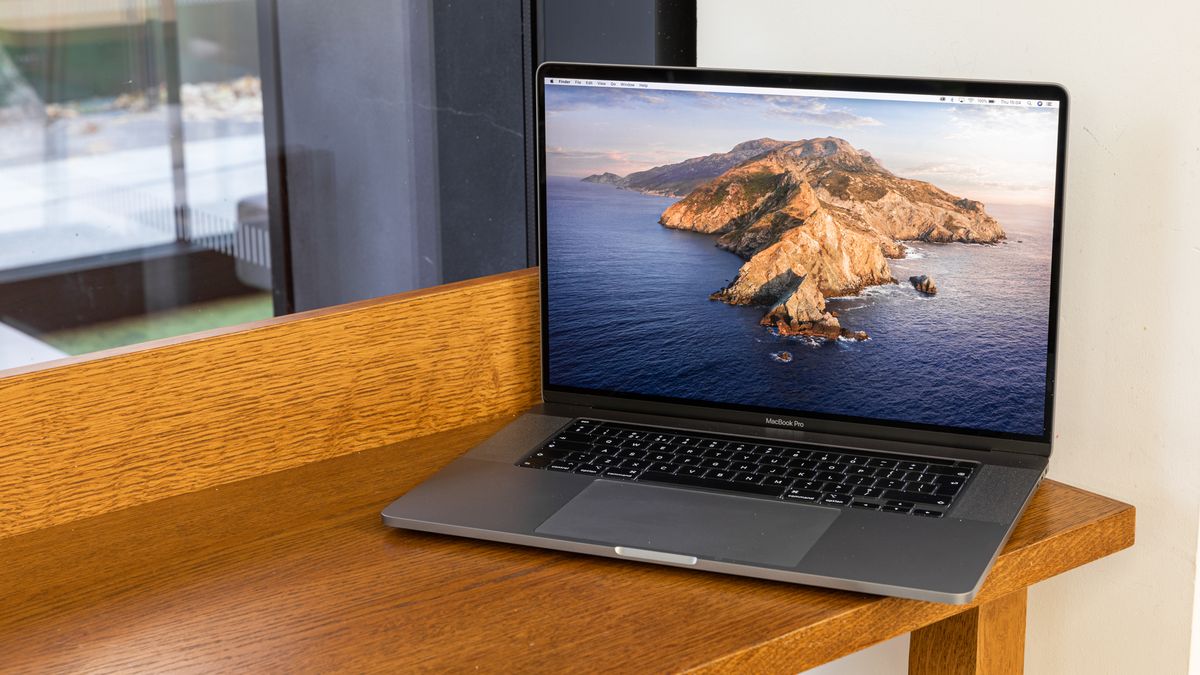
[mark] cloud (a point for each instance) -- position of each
(976, 121)
(800, 109)
(565, 98)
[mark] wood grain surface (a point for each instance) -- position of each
(985, 640)
(294, 572)
(129, 426)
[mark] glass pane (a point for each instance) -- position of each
(132, 173)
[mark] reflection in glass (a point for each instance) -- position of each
(132, 175)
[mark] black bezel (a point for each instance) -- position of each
(812, 422)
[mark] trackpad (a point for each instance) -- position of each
(701, 524)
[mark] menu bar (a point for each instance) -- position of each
(819, 93)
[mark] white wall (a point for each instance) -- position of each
(1129, 380)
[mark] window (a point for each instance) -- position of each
(132, 173)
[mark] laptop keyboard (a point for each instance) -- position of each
(795, 472)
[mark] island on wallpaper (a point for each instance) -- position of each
(922, 226)
(813, 219)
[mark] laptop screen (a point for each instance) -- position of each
(868, 256)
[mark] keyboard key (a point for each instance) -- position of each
(560, 465)
(574, 437)
(913, 466)
(928, 513)
(665, 467)
(776, 460)
(956, 471)
(830, 476)
(887, 484)
(901, 504)
(769, 490)
(719, 474)
(588, 469)
(781, 481)
(634, 464)
(838, 488)
(858, 480)
(868, 492)
(804, 463)
(567, 445)
(809, 485)
(802, 495)
(772, 470)
(717, 454)
(536, 462)
(936, 500)
(692, 471)
(840, 500)
(618, 472)
(743, 456)
(713, 444)
(687, 460)
(829, 466)
(895, 509)
(793, 454)
(714, 464)
(661, 438)
(748, 478)
(744, 466)
(635, 435)
(880, 463)
(864, 505)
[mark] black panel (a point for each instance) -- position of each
(480, 92)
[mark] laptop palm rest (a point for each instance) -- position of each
(690, 523)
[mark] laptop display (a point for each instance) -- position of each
(866, 256)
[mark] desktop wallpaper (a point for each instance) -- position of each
(882, 259)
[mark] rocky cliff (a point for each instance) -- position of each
(818, 218)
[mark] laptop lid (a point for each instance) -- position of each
(850, 255)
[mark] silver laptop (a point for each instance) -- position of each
(795, 327)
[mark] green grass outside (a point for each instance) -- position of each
(165, 324)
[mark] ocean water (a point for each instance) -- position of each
(629, 311)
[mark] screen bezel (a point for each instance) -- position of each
(824, 423)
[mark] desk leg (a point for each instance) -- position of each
(986, 640)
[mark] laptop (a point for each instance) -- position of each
(796, 327)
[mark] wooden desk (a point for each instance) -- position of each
(277, 561)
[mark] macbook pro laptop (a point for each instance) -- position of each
(796, 327)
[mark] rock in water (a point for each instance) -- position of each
(801, 311)
(606, 178)
(924, 283)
